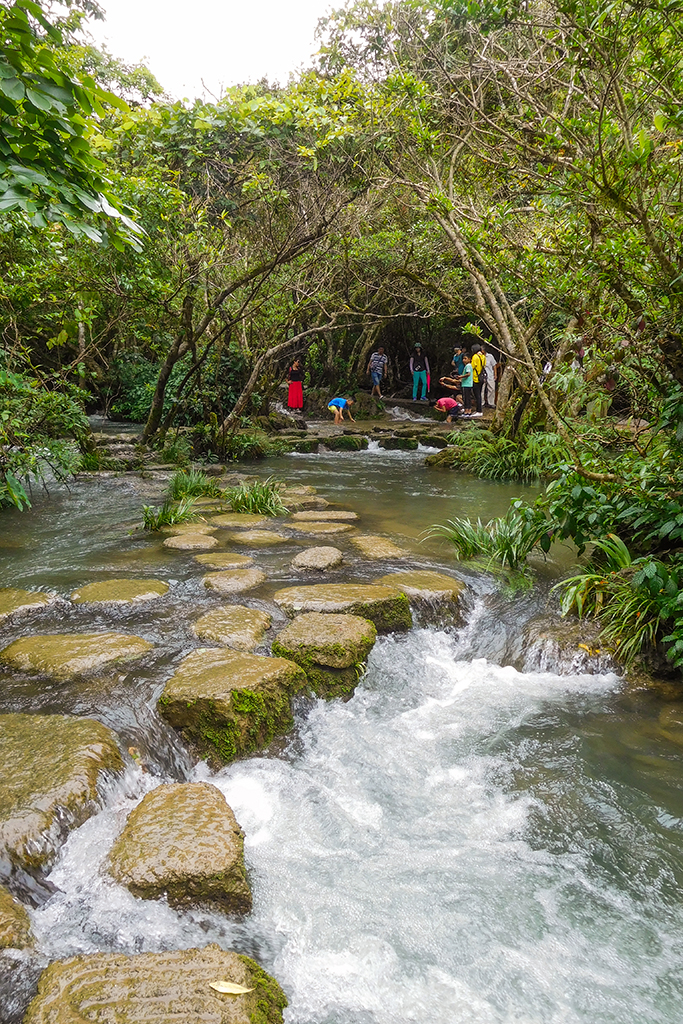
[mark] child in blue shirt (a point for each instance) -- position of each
(337, 406)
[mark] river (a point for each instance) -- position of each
(468, 840)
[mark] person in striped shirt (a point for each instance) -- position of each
(377, 368)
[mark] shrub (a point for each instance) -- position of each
(261, 497)
(506, 541)
(192, 484)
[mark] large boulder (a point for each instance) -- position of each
(324, 517)
(318, 558)
(13, 600)
(224, 560)
(65, 655)
(119, 592)
(386, 607)
(15, 926)
(330, 648)
(234, 581)
(233, 625)
(228, 704)
(191, 542)
(182, 842)
(376, 547)
(257, 538)
(239, 520)
(49, 769)
(156, 988)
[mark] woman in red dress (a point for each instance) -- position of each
(295, 399)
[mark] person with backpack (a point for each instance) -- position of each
(419, 367)
(478, 373)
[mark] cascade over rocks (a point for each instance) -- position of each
(120, 592)
(49, 768)
(15, 926)
(182, 842)
(65, 655)
(13, 600)
(318, 558)
(224, 560)
(156, 988)
(234, 581)
(386, 607)
(191, 542)
(374, 546)
(233, 625)
(229, 704)
(330, 648)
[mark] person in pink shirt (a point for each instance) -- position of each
(451, 407)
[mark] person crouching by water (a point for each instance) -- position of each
(451, 407)
(337, 406)
(295, 398)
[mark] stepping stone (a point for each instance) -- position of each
(234, 581)
(120, 592)
(49, 769)
(319, 528)
(425, 585)
(182, 842)
(378, 547)
(257, 538)
(182, 529)
(15, 926)
(239, 520)
(64, 655)
(324, 517)
(233, 625)
(156, 988)
(225, 560)
(229, 704)
(387, 607)
(317, 558)
(12, 600)
(191, 542)
(330, 648)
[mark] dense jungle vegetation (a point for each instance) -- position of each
(446, 171)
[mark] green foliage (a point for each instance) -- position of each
(169, 514)
(262, 497)
(244, 445)
(192, 484)
(533, 457)
(178, 451)
(506, 541)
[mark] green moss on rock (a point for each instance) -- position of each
(124, 591)
(13, 601)
(64, 655)
(15, 926)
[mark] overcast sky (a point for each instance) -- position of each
(223, 42)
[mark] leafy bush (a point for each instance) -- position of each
(533, 457)
(506, 541)
(169, 514)
(261, 497)
(192, 484)
(178, 451)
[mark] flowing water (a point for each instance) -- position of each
(465, 841)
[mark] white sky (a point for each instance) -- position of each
(223, 42)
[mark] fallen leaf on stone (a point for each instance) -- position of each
(229, 988)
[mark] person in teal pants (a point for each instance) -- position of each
(419, 367)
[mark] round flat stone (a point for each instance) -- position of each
(233, 625)
(119, 592)
(65, 655)
(324, 517)
(224, 560)
(318, 558)
(257, 538)
(234, 581)
(386, 606)
(337, 641)
(238, 520)
(13, 600)
(378, 547)
(425, 585)
(182, 529)
(191, 542)
(317, 528)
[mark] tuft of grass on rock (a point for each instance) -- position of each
(261, 497)
(192, 483)
(169, 514)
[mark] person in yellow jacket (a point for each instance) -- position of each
(478, 373)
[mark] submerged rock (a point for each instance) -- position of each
(257, 538)
(373, 546)
(120, 591)
(191, 542)
(318, 558)
(319, 528)
(234, 581)
(239, 520)
(229, 704)
(13, 600)
(156, 988)
(15, 926)
(49, 768)
(182, 842)
(233, 625)
(64, 655)
(324, 517)
(330, 648)
(225, 560)
(386, 607)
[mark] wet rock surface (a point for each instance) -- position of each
(191, 542)
(49, 769)
(238, 520)
(228, 704)
(373, 546)
(422, 584)
(257, 538)
(318, 558)
(224, 560)
(183, 529)
(322, 528)
(386, 607)
(330, 649)
(156, 988)
(234, 625)
(123, 591)
(65, 655)
(13, 601)
(234, 581)
(324, 517)
(183, 841)
(15, 926)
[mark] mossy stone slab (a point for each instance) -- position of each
(182, 842)
(324, 517)
(233, 625)
(320, 528)
(239, 521)
(183, 529)
(49, 767)
(65, 655)
(228, 704)
(337, 641)
(234, 581)
(318, 558)
(123, 591)
(156, 988)
(386, 607)
(374, 546)
(15, 926)
(191, 542)
(14, 600)
(425, 585)
(224, 560)
(257, 538)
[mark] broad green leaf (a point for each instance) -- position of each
(13, 88)
(660, 120)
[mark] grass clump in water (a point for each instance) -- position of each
(533, 457)
(169, 514)
(261, 497)
(192, 483)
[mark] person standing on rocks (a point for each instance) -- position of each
(295, 398)
(377, 368)
(419, 367)
(337, 406)
(490, 378)
(478, 373)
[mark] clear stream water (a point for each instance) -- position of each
(466, 841)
